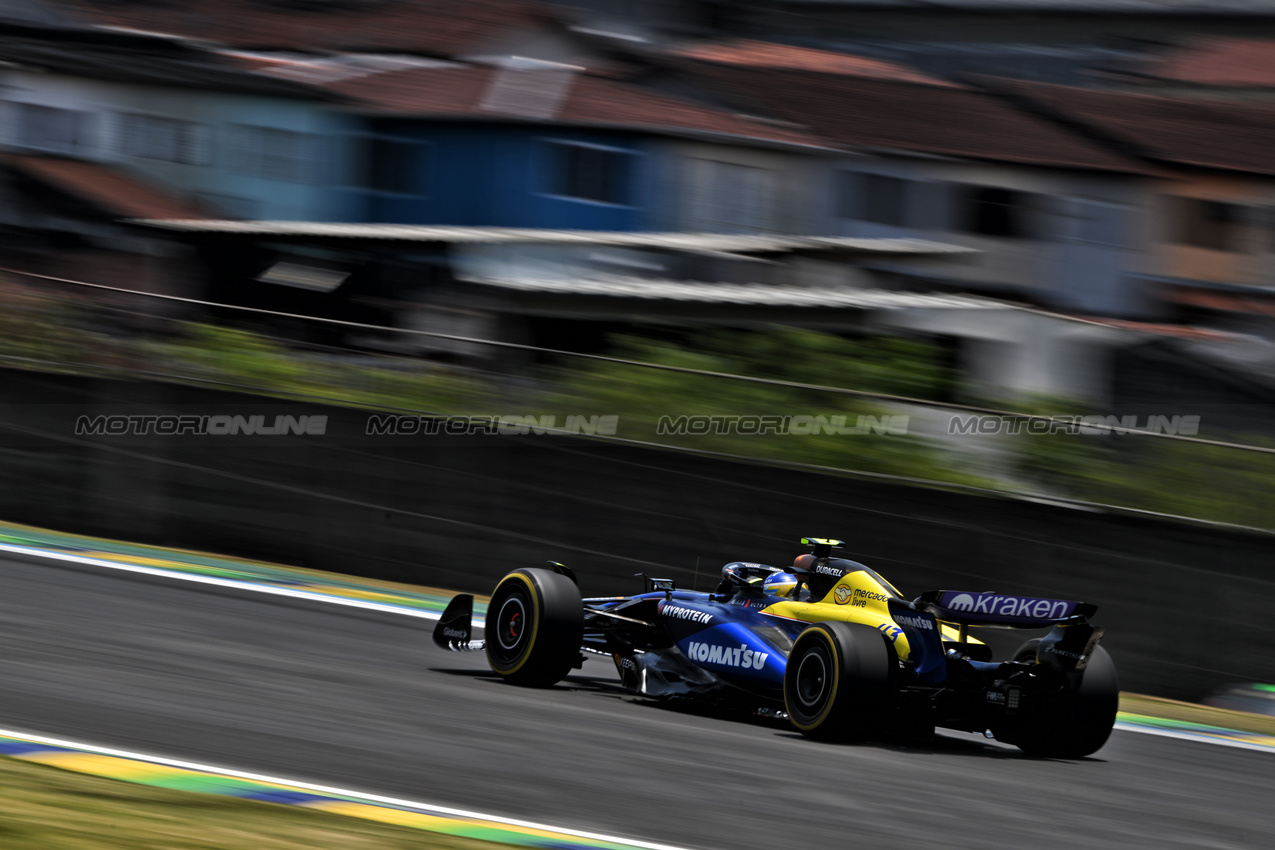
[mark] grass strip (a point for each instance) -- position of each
(44, 808)
(1202, 715)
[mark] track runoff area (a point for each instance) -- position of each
(326, 588)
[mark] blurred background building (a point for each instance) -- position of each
(1103, 160)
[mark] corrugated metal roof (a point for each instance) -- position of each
(1183, 131)
(896, 115)
(760, 295)
(429, 27)
(1149, 7)
(483, 93)
(1221, 62)
(693, 242)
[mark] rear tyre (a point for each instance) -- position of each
(534, 625)
(837, 683)
(1072, 723)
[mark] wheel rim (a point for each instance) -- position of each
(511, 623)
(511, 628)
(812, 681)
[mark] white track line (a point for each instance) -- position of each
(426, 808)
(225, 582)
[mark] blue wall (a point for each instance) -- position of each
(502, 176)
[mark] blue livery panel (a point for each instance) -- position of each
(734, 653)
(925, 641)
(719, 639)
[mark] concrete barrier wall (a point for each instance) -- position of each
(1185, 606)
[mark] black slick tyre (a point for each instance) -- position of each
(533, 628)
(1071, 723)
(837, 683)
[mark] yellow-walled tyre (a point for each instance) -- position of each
(838, 681)
(533, 628)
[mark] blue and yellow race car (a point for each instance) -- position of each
(827, 642)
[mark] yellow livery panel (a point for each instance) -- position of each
(857, 597)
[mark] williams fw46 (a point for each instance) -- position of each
(829, 643)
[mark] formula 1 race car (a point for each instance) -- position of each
(829, 643)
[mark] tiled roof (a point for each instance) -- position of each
(1161, 329)
(316, 69)
(462, 92)
(1141, 7)
(888, 114)
(1181, 131)
(430, 27)
(1220, 62)
(148, 60)
(115, 193)
(1223, 301)
(764, 54)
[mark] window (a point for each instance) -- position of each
(730, 198)
(273, 154)
(1099, 223)
(395, 165)
(873, 197)
(1268, 219)
(992, 211)
(1208, 224)
(51, 129)
(883, 199)
(167, 139)
(590, 173)
(231, 206)
(1081, 220)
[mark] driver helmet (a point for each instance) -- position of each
(780, 584)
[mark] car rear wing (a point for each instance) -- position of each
(999, 610)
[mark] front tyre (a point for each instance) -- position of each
(534, 625)
(837, 683)
(1074, 722)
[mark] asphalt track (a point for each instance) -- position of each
(363, 700)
